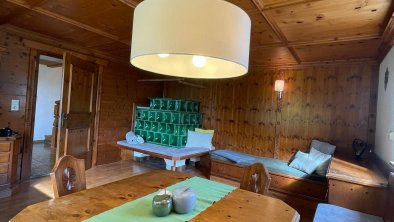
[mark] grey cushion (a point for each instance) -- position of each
(330, 213)
(323, 147)
(322, 159)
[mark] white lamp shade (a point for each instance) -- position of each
(279, 85)
(216, 31)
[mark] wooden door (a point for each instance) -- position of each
(78, 105)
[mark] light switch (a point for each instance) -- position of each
(391, 135)
(15, 105)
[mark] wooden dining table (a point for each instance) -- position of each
(239, 205)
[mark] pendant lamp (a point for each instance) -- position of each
(205, 39)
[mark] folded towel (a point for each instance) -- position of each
(131, 138)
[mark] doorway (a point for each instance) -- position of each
(46, 120)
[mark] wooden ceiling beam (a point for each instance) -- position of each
(387, 35)
(277, 31)
(20, 11)
(69, 21)
(387, 39)
(319, 42)
(283, 3)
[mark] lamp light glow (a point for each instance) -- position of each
(216, 30)
(163, 55)
(199, 61)
(279, 85)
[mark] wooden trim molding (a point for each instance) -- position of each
(56, 50)
(130, 3)
(49, 43)
(97, 116)
(371, 61)
(31, 96)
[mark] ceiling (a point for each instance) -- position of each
(284, 32)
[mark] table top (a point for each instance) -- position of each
(165, 152)
(238, 205)
(364, 173)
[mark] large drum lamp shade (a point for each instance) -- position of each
(207, 39)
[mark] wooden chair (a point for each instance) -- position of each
(329, 212)
(256, 179)
(68, 176)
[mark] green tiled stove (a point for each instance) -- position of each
(166, 121)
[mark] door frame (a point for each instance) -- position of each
(37, 49)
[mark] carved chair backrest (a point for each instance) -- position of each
(256, 179)
(68, 176)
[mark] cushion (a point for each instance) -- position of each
(204, 130)
(304, 164)
(196, 139)
(322, 160)
(323, 147)
(298, 154)
(236, 157)
(329, 213)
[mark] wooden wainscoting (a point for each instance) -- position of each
(335, 103)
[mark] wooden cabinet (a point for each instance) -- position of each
(10, 158)
(357, 186)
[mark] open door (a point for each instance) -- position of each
(78, 105)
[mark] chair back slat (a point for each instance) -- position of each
(68, 176)
(256, 179)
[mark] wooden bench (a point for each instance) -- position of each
(302, 194)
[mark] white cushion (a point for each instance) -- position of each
(304, 164)
(322, 160)
(323, 147)
(196, 139)
(301, 154)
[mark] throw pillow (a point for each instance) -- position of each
(304, 164)
(322, 160)
(204, 130)
(196, 139)
(323, 147)
(298, 154)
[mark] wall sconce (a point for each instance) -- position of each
(279, 87)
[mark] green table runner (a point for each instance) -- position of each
(140, 210)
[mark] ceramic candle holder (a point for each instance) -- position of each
(162, 204)
(184, 200)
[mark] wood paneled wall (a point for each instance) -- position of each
(120, 89)
(334, 103)
(14, 65)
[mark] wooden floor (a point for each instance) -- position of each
(38, 190)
